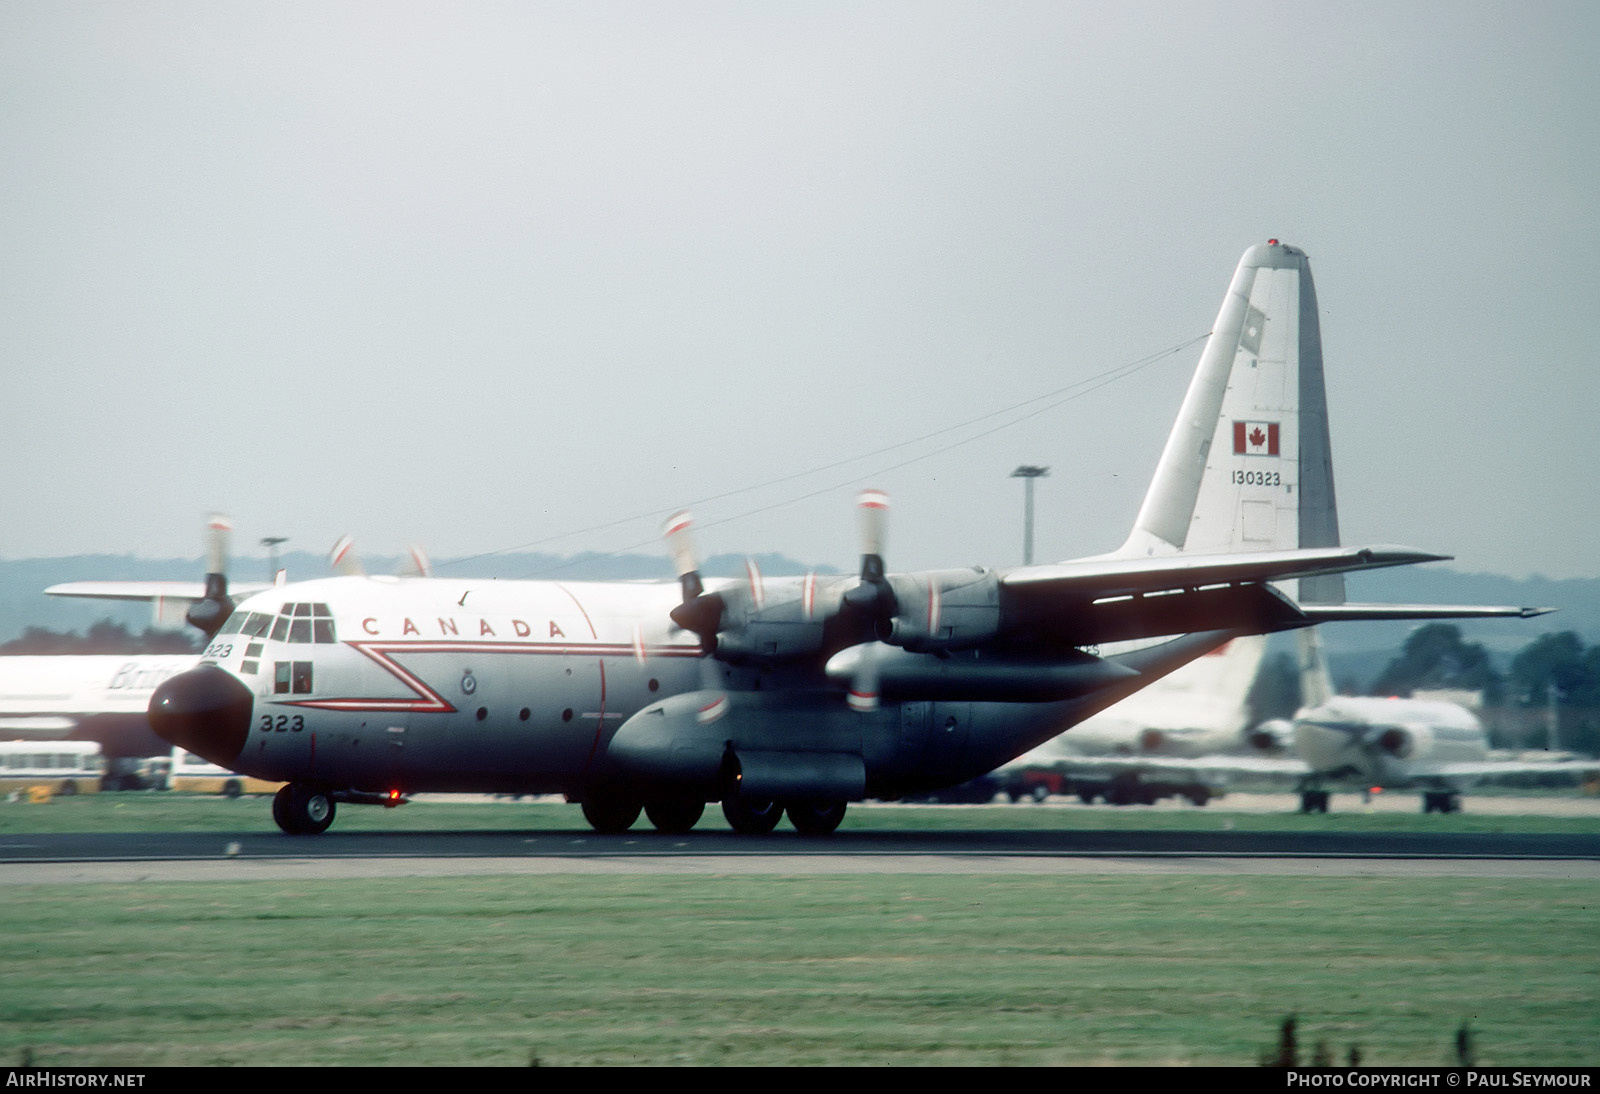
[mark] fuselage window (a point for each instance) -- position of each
(280, 678)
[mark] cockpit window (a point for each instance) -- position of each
(234, 624)
(303, 623)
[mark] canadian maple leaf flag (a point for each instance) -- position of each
(1255, 438)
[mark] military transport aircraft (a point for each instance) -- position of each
(794, 695)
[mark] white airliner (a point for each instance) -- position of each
(95, 697)
(797, 695)
(1200, 710)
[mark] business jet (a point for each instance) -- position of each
(800, 695)
(1366, 743)
(1358, 744)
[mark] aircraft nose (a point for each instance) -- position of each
(204, 710)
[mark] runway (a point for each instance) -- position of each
(43, 859)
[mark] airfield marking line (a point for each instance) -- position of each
(273, 869)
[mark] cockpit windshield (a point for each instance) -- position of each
(295, 623)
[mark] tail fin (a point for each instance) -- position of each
(1248, 465)
(1316, 682)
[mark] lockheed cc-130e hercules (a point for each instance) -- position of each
(794, 695)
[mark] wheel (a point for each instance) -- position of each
(610, 815)
(750, 818)
(1086, 797)
(1040, 793)
(68, 789)
(302, 810)
(674, 817)
(232, 789)
(280, 811)
(1314, 801)
(816, 818)
(1199, 797)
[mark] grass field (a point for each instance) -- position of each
(760, 970)
(888, 969)
(192, 813)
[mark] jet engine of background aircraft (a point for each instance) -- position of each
(797, 695)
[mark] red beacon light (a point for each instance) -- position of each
(1272, 243)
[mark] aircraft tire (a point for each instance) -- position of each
(674, 817)
(816, 818)
(312, 809)
(610, 815)
(750, 818)
(232, 789)
(280, 811)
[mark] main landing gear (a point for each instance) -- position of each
(1313, 801)
(303, 810)
(1441, 801)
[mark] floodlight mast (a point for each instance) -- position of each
(1027, 473)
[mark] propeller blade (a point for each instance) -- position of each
(863, 696)
(343, 558)
(418, 564)
(872, 507)
(212, 611)
(218, 531)
(680, 547)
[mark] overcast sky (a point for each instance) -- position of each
(485, 276)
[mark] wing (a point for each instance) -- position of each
(174, 591)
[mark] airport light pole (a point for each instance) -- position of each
(1027, 473)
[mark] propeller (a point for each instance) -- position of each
(701, 612)
(343, 558)
(209, 613)
(873, 598)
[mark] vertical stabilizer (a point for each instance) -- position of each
(1248, 465)
(1316, 682)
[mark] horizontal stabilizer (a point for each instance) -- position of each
(1334, 613)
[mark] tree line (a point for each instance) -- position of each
(103, 637)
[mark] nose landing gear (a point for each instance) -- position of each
(303, 810)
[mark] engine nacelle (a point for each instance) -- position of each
(1402, 742)
(976, 675)
(944, 609)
